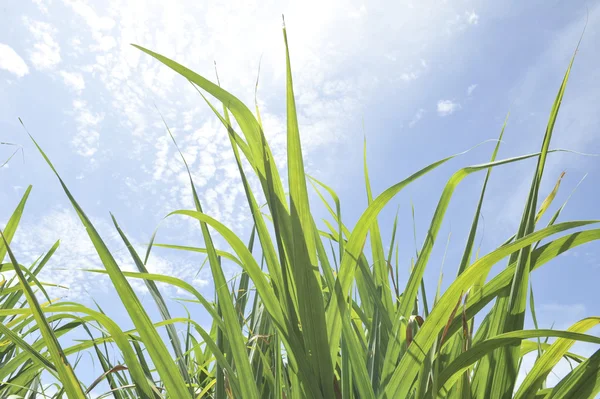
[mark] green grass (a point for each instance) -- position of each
(327, 320)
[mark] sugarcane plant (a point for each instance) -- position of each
(312, 314)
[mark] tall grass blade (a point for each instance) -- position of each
(160, 303)
(173, 380)
(581, 383)
(65, 372)
(410, 363)
(545, 363)
(469, 357)
(509, 312)
(13, 223)
(310, 299)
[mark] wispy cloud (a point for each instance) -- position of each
(45, 53)
(460, 22)
(87, 138)
(447, 107)
(42, 5)
(471, 89)
(185, 31)
(90, 16)
(575, 127)
(472, 17)
(133, 81)
(100, 26)
(11, 61)
(418, 116)
(563, 313)
(121, 84)
(73, 80)
(76, 252)
(413, 72)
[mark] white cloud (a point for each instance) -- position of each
(472, 18)
(412, 73)
(418, 116)
(200, 282)
(471, 88)
(99, 25)
(447, 107)
(563, 314)
(90, 16)
(42, 5)
(12, 62)
(46, 51)
(87, 138)
(73, 80)
(328, 97)
(408, 76)
(134, 80)
(459, 23)
(76, 252)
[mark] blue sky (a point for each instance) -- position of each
(426, 78)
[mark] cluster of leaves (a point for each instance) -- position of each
(303, 321)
